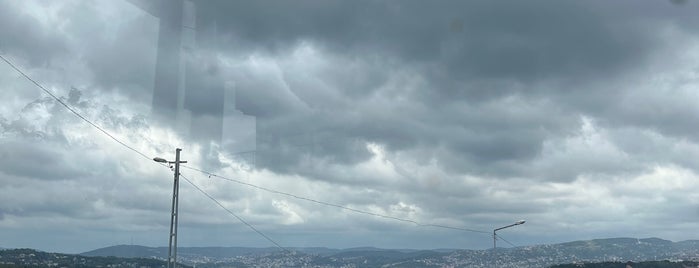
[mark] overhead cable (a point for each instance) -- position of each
(331, 204)
(70, 108)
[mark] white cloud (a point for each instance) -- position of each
(390, 130)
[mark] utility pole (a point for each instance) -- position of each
(172, 247)
(494, 240)
(495, 237)
(495, 255)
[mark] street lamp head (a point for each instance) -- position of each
(159, 160)
(520, 222)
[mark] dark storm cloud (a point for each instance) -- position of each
(130, 54)
(665, 109)
(470, 58)
(679, 2)
(527, 42)
(120, 57)
(67, 202)
(468, 113)
(467, 52)
(22, 159)
(24, 36)
(504, 40)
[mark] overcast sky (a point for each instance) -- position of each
(579, 116)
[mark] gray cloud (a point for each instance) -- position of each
(130, 52)
(459, 113)
(523, 41)
(500, 50)
(24, 35)
(21, 159)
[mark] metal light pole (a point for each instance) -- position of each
(172, 248)
(495, 238)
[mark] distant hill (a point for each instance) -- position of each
(34, 258)
(589, 251)
(128, 251)
(131, 251)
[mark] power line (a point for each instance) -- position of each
(71, 109)
(232, 180)
(234, 215)
(503, 239)
(127, 146)
(333, 205)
